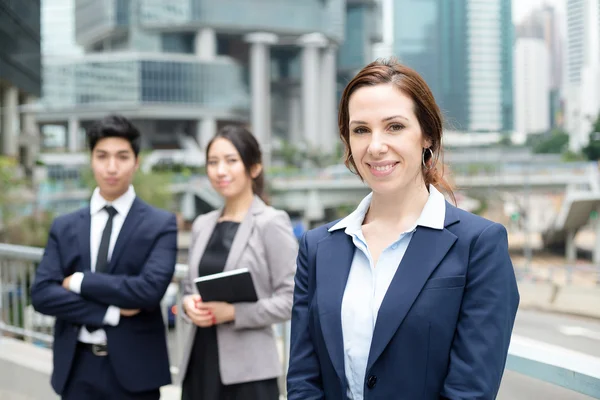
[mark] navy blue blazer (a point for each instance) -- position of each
(443, 328)
(141, 268)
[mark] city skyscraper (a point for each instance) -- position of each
(58, 28)
(463, 48)
(532, 84)
(543, 24)
(583, 70)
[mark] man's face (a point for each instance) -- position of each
(114, 164)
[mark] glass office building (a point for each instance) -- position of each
(463, 49)
(182, 68)
(20, 80)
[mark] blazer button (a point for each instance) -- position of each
(372, 381)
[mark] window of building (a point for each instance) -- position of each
(178, 42)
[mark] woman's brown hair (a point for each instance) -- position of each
(409, 82)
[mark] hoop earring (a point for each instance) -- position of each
(423, 158)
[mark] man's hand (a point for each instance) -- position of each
(66, 282)
(222, 312)
(129, 313)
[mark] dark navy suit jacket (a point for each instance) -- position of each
(442, 331)
(141, 268)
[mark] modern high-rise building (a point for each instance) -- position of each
(58, 29)
(464, 50)
(385, 48)
(532, 85)
(582, 84)
(181, 69)
(543, 24)
(20, 80)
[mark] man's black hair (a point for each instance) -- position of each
(114, 126)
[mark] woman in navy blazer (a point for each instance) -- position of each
(408, 297)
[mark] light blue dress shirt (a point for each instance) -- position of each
(367, 284)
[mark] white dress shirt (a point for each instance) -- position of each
(99, 218)
(367, 284)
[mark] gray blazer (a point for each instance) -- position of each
(265, 244)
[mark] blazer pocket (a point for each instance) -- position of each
(446, 282)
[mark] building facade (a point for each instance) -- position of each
(532, 86)
(542, 23)
(582, 94)
(20, 76)
(58, 29)
(183, 68)
(463, 49)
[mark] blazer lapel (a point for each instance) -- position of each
(133, 219)
(243, 235)
(426, 250)
(333, 261)
(83, 237)
(200, 243)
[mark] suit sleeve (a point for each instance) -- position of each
(50, 298)
(490, 301)
(304, 381)
(281, 248)
(140, 291)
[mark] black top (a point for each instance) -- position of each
(217, 249)
(203, 378)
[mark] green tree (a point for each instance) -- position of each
(152, 187)
(571, 156)
(21, 222)
(555, 143)
(592, 150)
(290, 154)
(505, 141)
(9, 184)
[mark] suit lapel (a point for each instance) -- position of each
(426, 250)
(243, 235)
(333, 261)
(83, 237)
(201, 241)
(132, 220)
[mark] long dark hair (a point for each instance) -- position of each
(246, 144)
(409, 82)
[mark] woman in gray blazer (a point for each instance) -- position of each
(231, 351)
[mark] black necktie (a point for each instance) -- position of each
(102, 260)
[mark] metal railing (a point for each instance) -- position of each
(18, 319)
(563, 275)
(556, 365)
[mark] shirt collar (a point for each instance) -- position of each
(432, 216)
(122, 204)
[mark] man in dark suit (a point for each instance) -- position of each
(103, 274)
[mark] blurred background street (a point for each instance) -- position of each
(518, 82)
